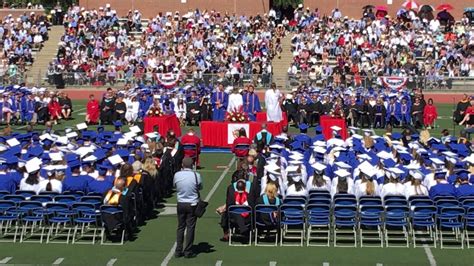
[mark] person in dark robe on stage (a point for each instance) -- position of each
(291, 109)
(365, 121)
(393, 116)
(354, 111)
(327, 105)
(379, 113)
(219, 100)
(120, 109)
(405, 112)
(92, 110)
(191, 138)
(107, 109)
(251, 103)
(304, 110)
(315, 110)
(193, 111)
(337, 110)
(417, 113)
(430, 114)
(206, 109)
(41, 109)
(461, 108)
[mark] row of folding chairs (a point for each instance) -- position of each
(56, 219)
(367, 222)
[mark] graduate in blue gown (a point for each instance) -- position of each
(102, 183)
(6, 180)
(219, 100)
(442, 188)
(28, 108)
(393, 116)
(75, 181)
(251, 104)
(144, 104)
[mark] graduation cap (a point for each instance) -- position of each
(74, 164)
(440, 174)
(461, 149)
(469, 159)
(319, 130)
(303, 127)
(396, 136)
(318, 167)
(297, 145)
(81, 126)
(433, 140)
(35, 151)
(272, 169)
(389, 163)
(342, 174)
(342, 165)
(416, 174)
(439, 147)
(118, 124)
(32, 166)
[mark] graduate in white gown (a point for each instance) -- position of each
(272, 103)
(133, 107)
(235, 101)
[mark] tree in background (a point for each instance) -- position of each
(285, 3)
(47, 4)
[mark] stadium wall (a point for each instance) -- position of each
(353, 8)
(151, 8)
(19, 12)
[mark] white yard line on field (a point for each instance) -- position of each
(207, 198)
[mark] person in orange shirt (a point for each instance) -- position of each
(191, 138)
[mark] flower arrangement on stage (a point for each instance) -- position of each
(237, 116)
(155, 112)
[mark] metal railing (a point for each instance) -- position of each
(82, 79)
(425, 82)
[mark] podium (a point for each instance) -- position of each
(164, 123)
(327, 122)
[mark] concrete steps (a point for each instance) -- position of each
(43, 57)
(281, 65)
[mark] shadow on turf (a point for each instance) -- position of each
(203, 247)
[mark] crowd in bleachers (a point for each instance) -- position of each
(19, 38)
(98, 47)
(341, 50)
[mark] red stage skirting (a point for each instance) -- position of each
(164, 123)
(262, 118)
(327, 122)
(214, 134)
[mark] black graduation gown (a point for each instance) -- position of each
(122, 107)
(107, 110)
(460, 107)
(190, 117)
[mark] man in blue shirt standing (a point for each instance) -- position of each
(187, 184)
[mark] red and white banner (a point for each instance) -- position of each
(168, 80)
(394, 82)
(232, 128)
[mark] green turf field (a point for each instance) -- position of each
(155, 240)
